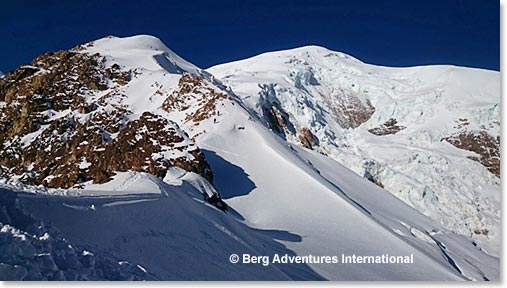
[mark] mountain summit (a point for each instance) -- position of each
(429, 135)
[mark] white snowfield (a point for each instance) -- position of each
(432, 102)
(283, 199)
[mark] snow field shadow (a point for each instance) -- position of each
(233, 181)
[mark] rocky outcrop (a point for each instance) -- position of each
(59, 127)
(389, 127)
(486, 146)
(195, 97)
(278, 120)
(52, 82)
(307, 139)
(87, 153)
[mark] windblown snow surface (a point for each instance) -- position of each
(283, 199)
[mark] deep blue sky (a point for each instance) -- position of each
(386, 32)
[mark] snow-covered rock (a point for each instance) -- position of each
(75, 117)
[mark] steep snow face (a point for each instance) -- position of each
(275, 185)
(429, 135)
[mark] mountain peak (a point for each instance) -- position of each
(310, 49)
(141, 42)
(359, 114)
(310, 53)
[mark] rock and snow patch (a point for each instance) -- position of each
(80, 115)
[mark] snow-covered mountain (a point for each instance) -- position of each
(429, 135)
(139, 146)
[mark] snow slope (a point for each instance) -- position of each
(329, 206)
(283, 199)
(34, 250)
(176, 236)
(324, 91)
(146, 55)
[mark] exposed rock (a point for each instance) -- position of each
(389, 127)
(278, 120)
(480, 142)
(461, 123)
(307, 138)
(195, 97)
(55, 131)
(12, 272)
(216, 200)
(374, 180)
(54, 81)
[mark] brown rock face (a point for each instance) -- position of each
(195, 97)
(480, 142)
(307, 138)
(53, 81)
(53, 133)
(278, 120)
(389, 127)
(142, 145)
